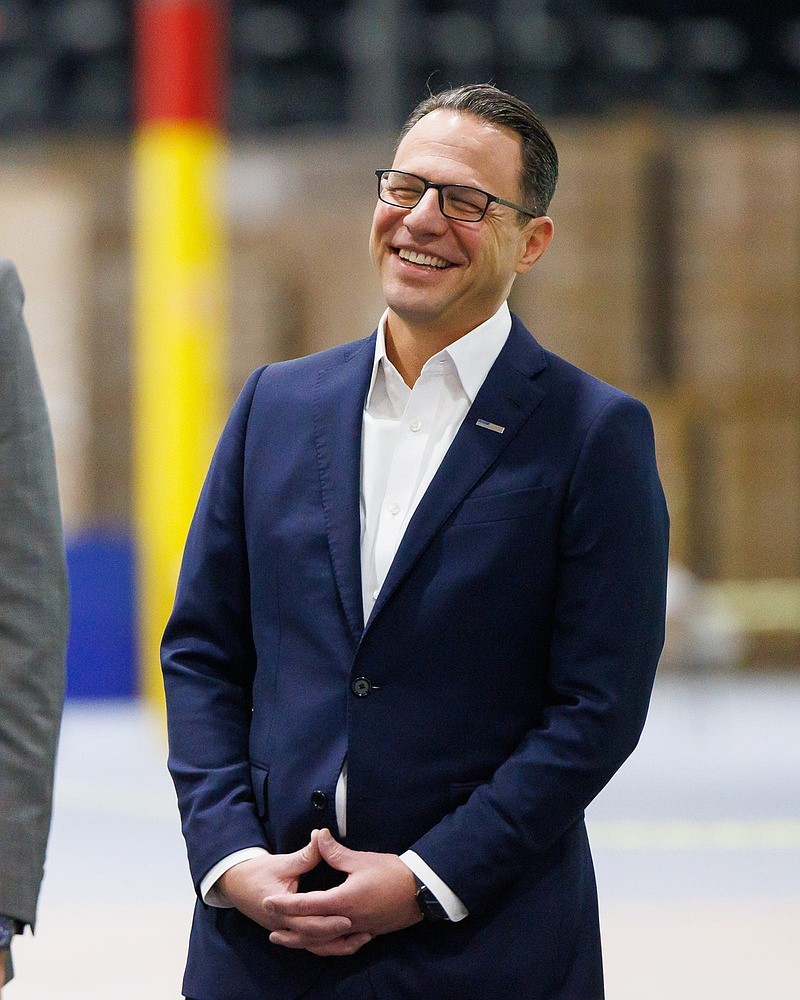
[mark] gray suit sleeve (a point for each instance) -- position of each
(33, 612)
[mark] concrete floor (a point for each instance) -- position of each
(697, 850)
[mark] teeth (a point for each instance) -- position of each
(422, 258)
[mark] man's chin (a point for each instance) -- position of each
(415, 315)
(407, 299)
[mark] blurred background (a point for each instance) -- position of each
(674, 273)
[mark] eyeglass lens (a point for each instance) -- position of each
(457, 202)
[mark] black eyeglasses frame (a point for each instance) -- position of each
(439, 188)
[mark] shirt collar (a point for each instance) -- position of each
(472, 355)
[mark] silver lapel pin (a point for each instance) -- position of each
(490, 426)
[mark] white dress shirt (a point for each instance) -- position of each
(406, 434)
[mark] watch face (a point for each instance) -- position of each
(429, 905)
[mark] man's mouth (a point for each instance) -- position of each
(423, 259)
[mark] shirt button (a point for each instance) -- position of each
(416, 425)
(375, 595)
(394, 509)
(361, 687)
(319, 799)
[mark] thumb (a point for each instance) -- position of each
(305, 859)
(337, 855)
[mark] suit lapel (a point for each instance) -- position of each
(506, 399)
(338, 421)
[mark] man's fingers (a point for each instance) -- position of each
(337, 855)
(315, 929)
(319, 903)
(305, 859)
(346, 944)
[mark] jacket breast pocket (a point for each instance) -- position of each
(502, 506)
(259, 778)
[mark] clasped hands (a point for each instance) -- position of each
(377, 897)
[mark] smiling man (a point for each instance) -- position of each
(417, 625)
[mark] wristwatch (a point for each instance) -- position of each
(8, 928)
(429, 906)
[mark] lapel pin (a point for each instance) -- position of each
(490, 426)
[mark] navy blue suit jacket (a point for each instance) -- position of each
(511, 654)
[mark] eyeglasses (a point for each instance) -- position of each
(456, 201)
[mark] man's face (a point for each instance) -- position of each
(470, 266)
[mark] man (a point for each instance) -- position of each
(33, 621)
(418, 618)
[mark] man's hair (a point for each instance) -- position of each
(492, 105)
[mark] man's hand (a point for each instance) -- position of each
(377, 897)
(249, 884)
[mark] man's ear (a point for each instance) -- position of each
(536, 235)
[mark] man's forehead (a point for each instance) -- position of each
(444, 124)
(459, 137)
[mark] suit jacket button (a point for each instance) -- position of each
(319, 799)
(361, 687)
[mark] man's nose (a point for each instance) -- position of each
(427, 214)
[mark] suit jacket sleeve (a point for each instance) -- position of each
(33, 612)
(607, 635)
(208, 660)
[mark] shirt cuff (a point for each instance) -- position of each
(209, 892)
(451, 904)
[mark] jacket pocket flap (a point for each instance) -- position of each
(502, 506)
(461, 791)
